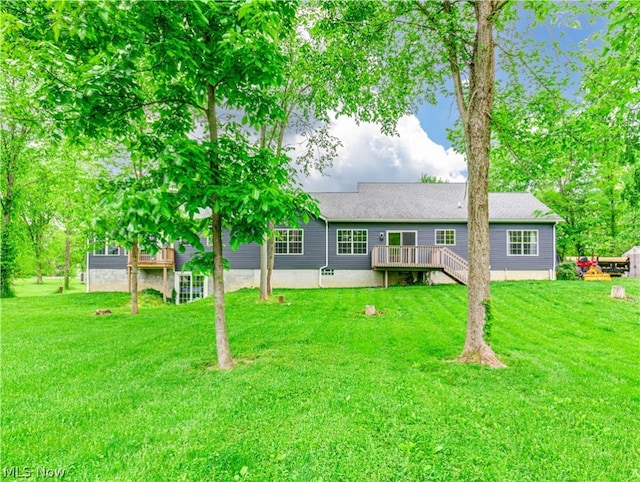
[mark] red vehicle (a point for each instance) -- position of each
(611, 265)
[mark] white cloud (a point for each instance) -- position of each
(367, 155)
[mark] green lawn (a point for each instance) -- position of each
(321, 391)
(49, 286)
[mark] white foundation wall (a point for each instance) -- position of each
(107, 280)
(116, 280)
(353, 279)
(153, 279)
(236, 279)
(521, 275)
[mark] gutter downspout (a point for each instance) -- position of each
(326, 251)
(555, 253)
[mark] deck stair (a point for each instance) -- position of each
(437, 258)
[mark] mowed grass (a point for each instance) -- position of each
(323, 392)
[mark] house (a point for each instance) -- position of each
(382, 234)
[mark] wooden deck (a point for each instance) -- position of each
(165, 258)
(420, 258)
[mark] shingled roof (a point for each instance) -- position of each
(422, 202)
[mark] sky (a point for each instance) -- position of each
(421, 145)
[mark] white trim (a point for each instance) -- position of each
(555, 254)
(537, 253)
(435, 237)
(366, 249)
(301, 253)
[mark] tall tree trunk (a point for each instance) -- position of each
(67, 257)
(134, 254)
(7, 239)
(7, 261)
(272, 257)
(264, 264)
(225, 360)
(38, 254)
(477, 128)
(264, 249)
(271, 249)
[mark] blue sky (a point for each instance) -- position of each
(422, 145)
(435, 119)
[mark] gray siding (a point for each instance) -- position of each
(501, 260)
(108, 262)
(426, 237)
(247, 256)
(182, 258)
(314, 251)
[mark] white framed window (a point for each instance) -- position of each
(522, 242)
(445, 237)
(104, 248)
(352, 241)
(190, 287)
(289, 241)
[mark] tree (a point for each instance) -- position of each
(413, 48)
(38, 211)
(31, 141)
(15, 139)
(77, 176)
(18, 128)
(464, 35)
(575, 153)
(172, 65)
(135, 218)
(426, 179)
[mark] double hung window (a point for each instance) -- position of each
(445, 237)
(352, 241)
(289, 241)
(522, 242)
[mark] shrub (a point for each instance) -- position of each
(567, 271)
(152, 292)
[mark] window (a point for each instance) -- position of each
(522, 243)
(103, 248)
(289, 241)
(352, 241)
(446, 237)
(189, 287)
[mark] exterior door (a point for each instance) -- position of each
(190, 287)
(398, 239)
